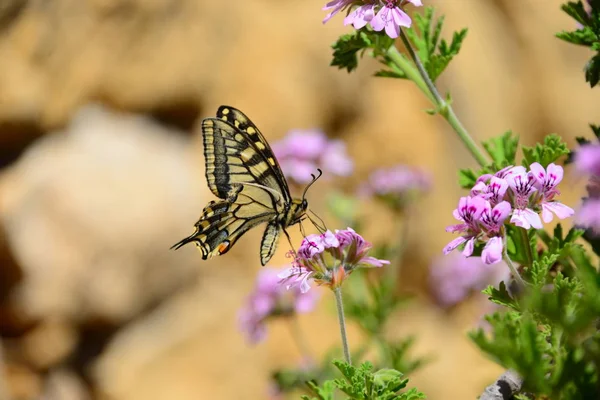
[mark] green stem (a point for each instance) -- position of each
(511, 266)
(340, 310)
(525, 242)
(409, 70)
(424, 82)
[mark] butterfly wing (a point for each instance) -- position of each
(240, 121)
(222, 223)
(234, 161)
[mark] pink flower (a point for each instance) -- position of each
(301, 152)
(547, 180)
(361, 16)
(469, 210)
(382, 15)
(328, 259)
(399, 180)
(454, 277)
(588, 216)
(587, 159)
(522, 186)
(335, 6)
(268, 300)
(391, 17)
(494, 191)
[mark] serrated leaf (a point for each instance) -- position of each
(592, 71)
(550, 151)
(467, 178)
(503, 149)
(435, 53)
(501, 296)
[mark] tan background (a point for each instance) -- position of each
(102, 172)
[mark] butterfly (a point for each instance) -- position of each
(242, 171)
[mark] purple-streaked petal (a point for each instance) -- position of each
(557, 172)
(539, 172)
(562, 211)
(454, 244)
(378, 22)
(374, 262)
(457, 228)
(501, 211)
(469, 247)
(492, 252)
(400, 18)
(416, 3)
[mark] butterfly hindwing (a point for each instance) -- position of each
(222, 223)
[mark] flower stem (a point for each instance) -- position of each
(512, 267)
(424, 82)
(525, 242)
(340, 310)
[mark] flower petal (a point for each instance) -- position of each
(454, 244)
(492, 252)
(562, 211)
(469, 247)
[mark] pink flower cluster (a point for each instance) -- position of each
(301, 152)
(512, 192)
(453, 278)
(587, 161)
(385, 15)
(399, 181)
(328, 259)
(270, 299)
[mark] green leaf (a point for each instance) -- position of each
(501, 296)
(346, 49)
(552, 149)
(467, 178)
(503, 149)
(435, 54)
(592, 71)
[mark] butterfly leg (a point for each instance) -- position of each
(287, 235)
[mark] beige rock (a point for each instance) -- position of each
(91, 212)
(49, 343)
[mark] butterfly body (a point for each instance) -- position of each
(243, 172)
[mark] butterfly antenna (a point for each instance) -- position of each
(322, 227)
(314, 179)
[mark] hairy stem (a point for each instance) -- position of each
(342, 320)
(427, 86)
(511, 266)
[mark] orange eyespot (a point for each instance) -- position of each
(223, 247)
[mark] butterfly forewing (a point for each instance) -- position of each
(239, 120)
(232, 159)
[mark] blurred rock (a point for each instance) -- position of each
(91, 212)
(49, 343)
(64, 385)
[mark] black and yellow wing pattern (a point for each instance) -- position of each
(243, 172)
